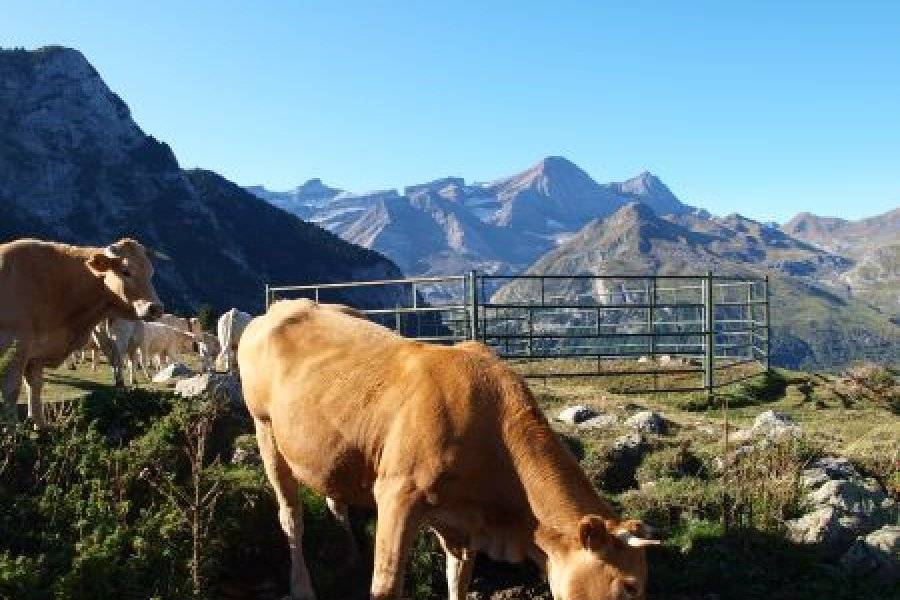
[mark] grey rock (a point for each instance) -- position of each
(631, 445)
(827, 526)
(600, 422)
(775, 425)
(827, 468)
(574, 415)
(172, 373)
(862, 498)
(219, 386)
(648, 422)
(876, 555)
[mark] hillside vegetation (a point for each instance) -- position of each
(140, 494)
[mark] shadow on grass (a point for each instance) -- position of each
(752, 565)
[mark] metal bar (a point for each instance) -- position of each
(266, 304)
(406, 309)
(473, 303)
(374, 282)
(710, 333)
(698, 277)
(768, 330)
(562, 336)
(591, 307)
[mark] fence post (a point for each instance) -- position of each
(768, 330)
(709, 308)
(651, 302)
(473, 303)
(750, 317)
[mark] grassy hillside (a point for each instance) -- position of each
(113, 523)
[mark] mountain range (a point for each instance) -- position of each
(447, 225)
(75, 167)
(835, 284)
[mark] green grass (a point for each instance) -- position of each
(674, 487)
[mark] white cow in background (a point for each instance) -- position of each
(157, 345)
(230, 327)
(208, 347)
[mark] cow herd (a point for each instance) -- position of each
(444, 438)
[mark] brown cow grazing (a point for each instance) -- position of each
(443, 437)
(51, 297)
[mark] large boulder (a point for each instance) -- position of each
(219, 386)
(574, 415)
(172, 373)
(647, 421)
(842, 508)
(876, 555)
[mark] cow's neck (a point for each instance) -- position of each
(88, 302)
(557, 492)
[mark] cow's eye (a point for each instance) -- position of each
(126, 273)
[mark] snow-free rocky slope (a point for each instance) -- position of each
(814, 323)
(75, 167)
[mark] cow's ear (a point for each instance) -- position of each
(101, 262)
(592, 532)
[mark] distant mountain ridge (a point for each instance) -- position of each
(815, 324)
(500, 226)
(75, 167)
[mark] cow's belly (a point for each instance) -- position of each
(52, 348)
(324, 460)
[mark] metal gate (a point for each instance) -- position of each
(655, 333)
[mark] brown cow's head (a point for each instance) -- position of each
(126, 270)
(606, 562)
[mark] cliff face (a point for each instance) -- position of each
(75, 167)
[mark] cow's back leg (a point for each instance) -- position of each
(400, 506)
(11, 375)
(34, 380)
(341, 513)
(290, 512)
(460, 562)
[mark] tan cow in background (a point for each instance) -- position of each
(444, 437)
(51, 297)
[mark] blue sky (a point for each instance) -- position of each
(762, 108)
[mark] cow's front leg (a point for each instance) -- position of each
(399, 506)
(34, 379)
(460, 562)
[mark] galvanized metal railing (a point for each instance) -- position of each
(670, 326)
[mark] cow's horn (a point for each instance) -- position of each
(634, 541)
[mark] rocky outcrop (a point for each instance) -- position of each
(843, 506)
(75, 167)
